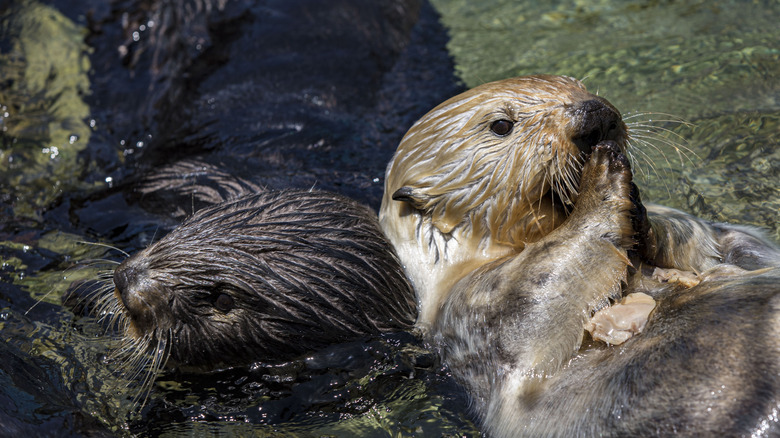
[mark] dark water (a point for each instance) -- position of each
(112, 113)
(120, 118)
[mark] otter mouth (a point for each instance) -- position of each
(594, 121)
(132, 329)
(566, 196)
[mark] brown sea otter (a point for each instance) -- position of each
(511, 208)
(268, 276)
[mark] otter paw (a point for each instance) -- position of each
(640, 222)
(607, 172)
(605, 199)
(616, 324)
(683, 278)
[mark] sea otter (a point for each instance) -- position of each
(513, 211)
(267, 276)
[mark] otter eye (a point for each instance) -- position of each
(501, 127)
(224, 303)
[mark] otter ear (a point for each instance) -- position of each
(414, 197)
(420, 200)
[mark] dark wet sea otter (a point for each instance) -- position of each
(513, 211)
(262, 277)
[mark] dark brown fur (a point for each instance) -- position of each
(265, 277)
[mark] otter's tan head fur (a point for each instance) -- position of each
(487, 172)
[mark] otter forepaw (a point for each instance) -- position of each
(605, 193)
(684, 278)
(607, 172)
(643, 233)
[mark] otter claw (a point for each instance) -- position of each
(609, 145)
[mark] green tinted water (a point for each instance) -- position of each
(43, 118)
(715, 64)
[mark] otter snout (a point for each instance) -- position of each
(125, 277)
(596, 121)
(143, 299)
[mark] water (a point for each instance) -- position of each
(713, 64)
(97, 98)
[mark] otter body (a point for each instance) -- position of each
(513, 211)
(706, 363)
(264, 277)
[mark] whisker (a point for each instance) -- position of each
(682, 151)
(635, 164)
(645, 160)
(649, 162)
(104, 245)
(135, 362)
(647, 132)
(656, 133)
(158, 362)
(642, 141)
(671, 118)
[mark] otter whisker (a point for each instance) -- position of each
(562, 188)
(662, 135)
(651, 132)
(129, 354)
(652, 118)
(649, 127)
(152, 367)
(646, 159)
(572, 175)
(72, 270)
(111, 314)
(637, 153)
(566, 180)
(682, 151)
(534, 211)
(651, 163)
(643, 141)
(104, 245)
(654, 123)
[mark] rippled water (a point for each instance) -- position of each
(713, 64)
(705, 73)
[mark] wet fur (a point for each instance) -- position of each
(706, 365)
(469, 196)
(263, 277)
(508, 315)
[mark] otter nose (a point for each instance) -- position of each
(125, 277)
(598, 121)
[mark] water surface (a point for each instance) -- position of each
(91, 100)
(713, 64)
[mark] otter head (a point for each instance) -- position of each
(487, 172)
(264, 277)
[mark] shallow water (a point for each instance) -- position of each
(80, 118)
(714, 65)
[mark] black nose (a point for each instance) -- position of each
(597, 121)
(125, 277)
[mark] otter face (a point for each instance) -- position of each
(264, 277)
(487, 172)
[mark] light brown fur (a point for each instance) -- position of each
(479, 197)
(513, 241)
